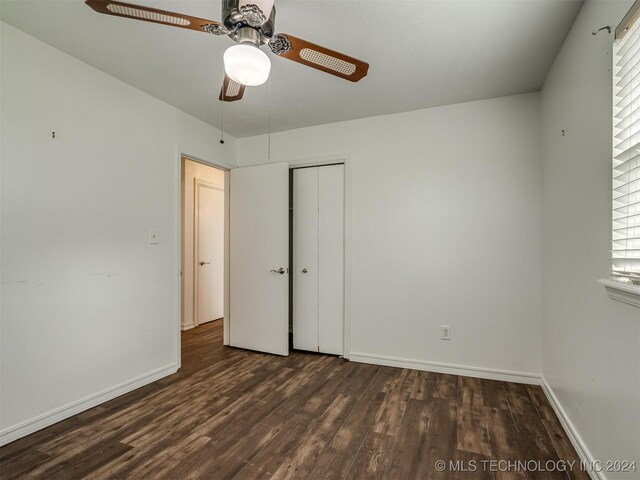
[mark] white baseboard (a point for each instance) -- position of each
(575, 438)
(452, 369)
(188, 326)
(54, 416)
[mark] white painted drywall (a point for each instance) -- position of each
(87, 303)
(193, 170)
(591, 344)
(445, 229)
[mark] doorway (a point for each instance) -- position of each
(203, 244)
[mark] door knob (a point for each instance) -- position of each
(204, 263)
(304, 270)
(280, 271)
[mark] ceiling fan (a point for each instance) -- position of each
(250, 23)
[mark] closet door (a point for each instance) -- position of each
(305, 259)
(331, 259)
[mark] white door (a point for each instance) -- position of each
(331, 258)
(209, 252)
(318, 259)
(259, 252)
(305, 259)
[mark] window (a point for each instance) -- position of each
(625, 251)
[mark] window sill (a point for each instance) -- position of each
(622, 292)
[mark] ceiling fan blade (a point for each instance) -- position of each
(231, 91)
(321, 58)
(148, 14)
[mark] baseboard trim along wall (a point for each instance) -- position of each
(452, 369)
(54, 416)
(188, 326)
(576, 440)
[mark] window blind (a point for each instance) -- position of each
(625, 251)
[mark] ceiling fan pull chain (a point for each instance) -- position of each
(224, 92)
(269, 109)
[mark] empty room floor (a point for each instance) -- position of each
(231, 413)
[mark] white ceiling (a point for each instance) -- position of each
(422, 53)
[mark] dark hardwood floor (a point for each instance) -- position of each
(230, 413)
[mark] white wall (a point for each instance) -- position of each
(591, 349)
(445, 229)
(193, 170)
(87, 303)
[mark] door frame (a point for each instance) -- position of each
(197, 184)
(187, 154)
(345, 160)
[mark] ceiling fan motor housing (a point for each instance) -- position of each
(239, 24)
(248, 35)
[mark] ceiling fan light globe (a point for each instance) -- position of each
(247, 65)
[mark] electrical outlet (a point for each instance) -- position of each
(445, 332)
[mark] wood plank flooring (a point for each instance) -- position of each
(234, 414)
